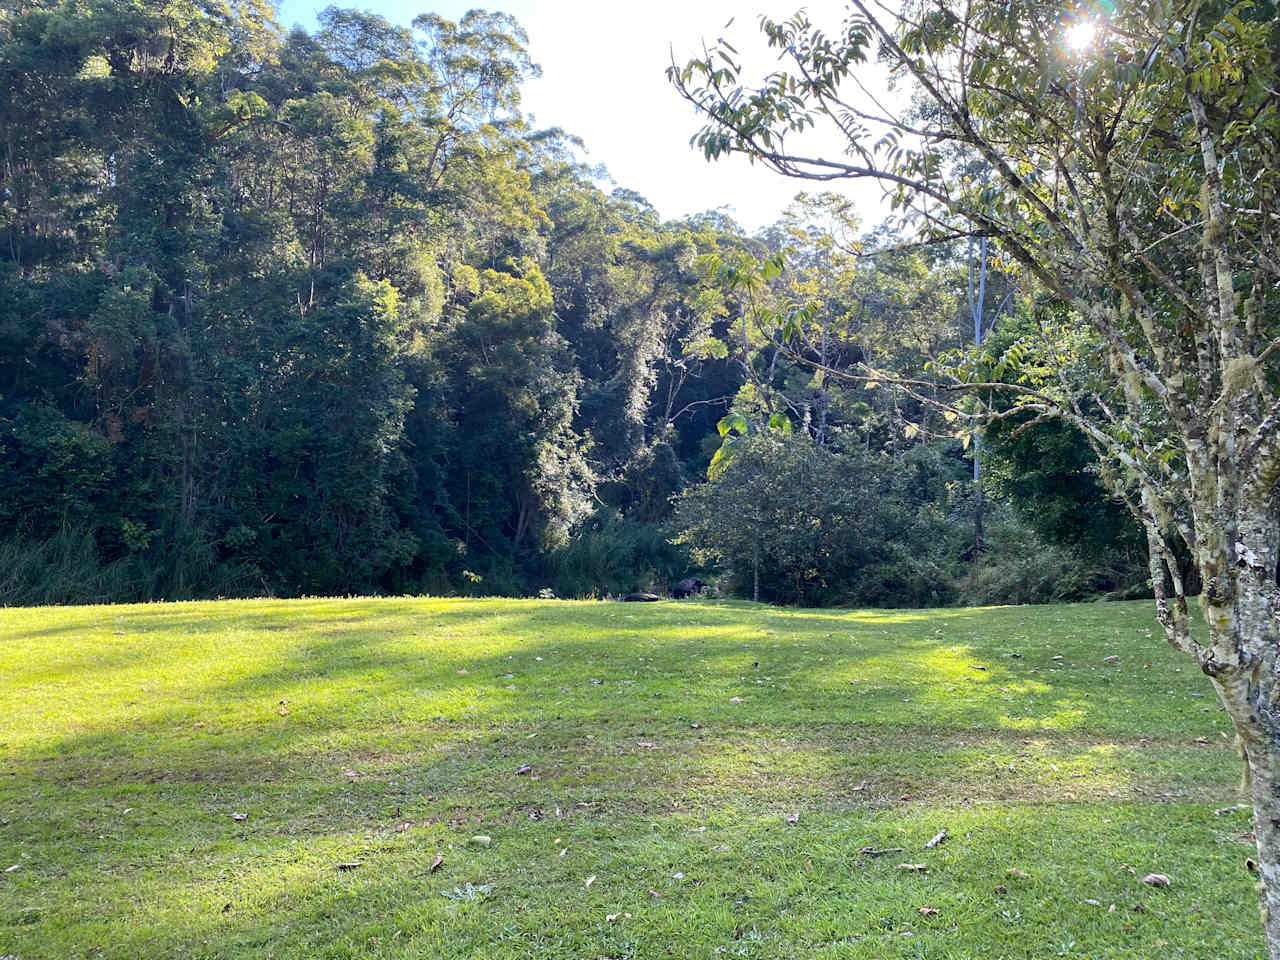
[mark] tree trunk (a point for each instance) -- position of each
(1241, 604)
(1264, 766)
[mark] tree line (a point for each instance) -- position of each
(320, 313)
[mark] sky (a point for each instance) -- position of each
(603, 79)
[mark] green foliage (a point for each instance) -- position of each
(820, 526)
(611, 555)
(289, 311)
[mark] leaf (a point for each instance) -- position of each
(524, 769)
(879, 852)
(929, 911)
(239, 817)
(590, 880)
(793, 819)
(937, 839)
(1156, 880)
(350, 865)
(436, 864)
(913, 867)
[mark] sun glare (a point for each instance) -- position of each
(1080, 36)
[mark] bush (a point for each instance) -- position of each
(610, 555)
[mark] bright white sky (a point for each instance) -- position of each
(603, 64)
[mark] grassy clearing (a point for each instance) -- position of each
(668, 745)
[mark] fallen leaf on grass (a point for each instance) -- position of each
(350, 865)
(590, 880)
(735, 699)
(937, 839)
(1156, 880)
(879, 852)
(1111, 659)
(349, 773)
(793, 819)
(239, 817)
(1001, 889)
(437, 863)
(524, 769)
(1202, 739)
(913, 867)
(929, 911)
(976, 666)
(1017, 874)
(14, 868)
(615, 917)
(1091, 902)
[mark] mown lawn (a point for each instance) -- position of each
(184, 780)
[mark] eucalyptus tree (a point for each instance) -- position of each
(1134, 156)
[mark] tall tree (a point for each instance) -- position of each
(1134, 164)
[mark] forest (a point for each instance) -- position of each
(321, 313)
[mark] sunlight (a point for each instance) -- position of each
(1081, 35)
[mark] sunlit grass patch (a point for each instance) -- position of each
(183, 780)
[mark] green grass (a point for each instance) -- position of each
(385, 732)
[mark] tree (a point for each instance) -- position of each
(1132, 159)
(797, 522)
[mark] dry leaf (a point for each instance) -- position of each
(1001, 889)
(793, 819)
(524, 769)
(239, 817)
(350, 865)
(1156, 880)
(929, 911)
(874, 852)
(976, 666)
(735, 699)
(913, 867)
(1111, 659)
(437, 863)
(590, 880)
(16, 867)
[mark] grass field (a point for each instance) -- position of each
(190, 780)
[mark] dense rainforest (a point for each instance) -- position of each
(321, 313)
